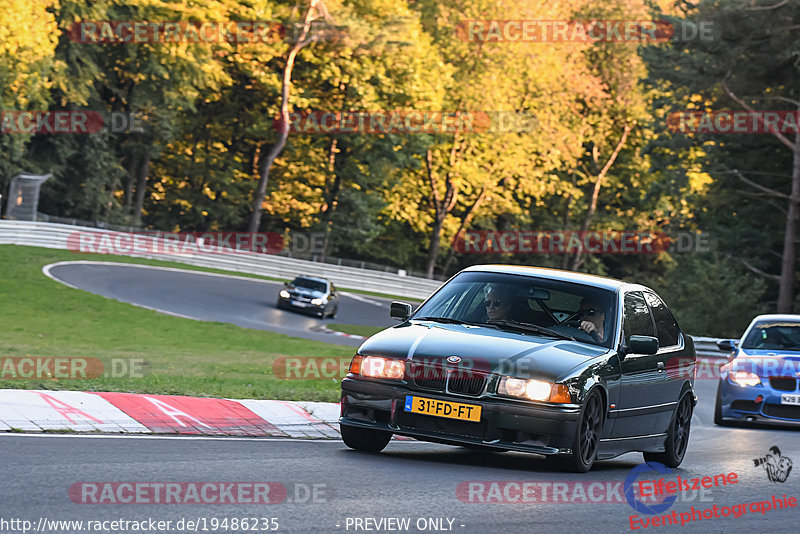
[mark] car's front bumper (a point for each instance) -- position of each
(738, 403)
(301, 305)
(505, 424)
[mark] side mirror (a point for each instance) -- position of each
(400, 310)
(727, 344)
(642, 345)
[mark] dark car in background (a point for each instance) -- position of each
(310, 294)
(568, 365)
(760, 382)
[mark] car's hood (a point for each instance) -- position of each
(766, 362)
(482, 348)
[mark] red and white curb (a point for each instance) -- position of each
(325, 330)
(77, 411)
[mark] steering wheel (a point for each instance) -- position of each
(573, 320)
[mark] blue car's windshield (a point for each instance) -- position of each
(492, 298)
(773, 335)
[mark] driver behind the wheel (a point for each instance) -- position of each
(498, 302)
(593, 318)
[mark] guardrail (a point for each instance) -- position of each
(54, 235)
(706, 347)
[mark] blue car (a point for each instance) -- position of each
(760, 382)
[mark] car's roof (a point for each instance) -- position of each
(777, 317)
(557, 274)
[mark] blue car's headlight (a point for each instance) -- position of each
(743, 378)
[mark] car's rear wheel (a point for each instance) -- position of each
(365, 439)
(587, 437)
(677, 436)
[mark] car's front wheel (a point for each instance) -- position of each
(677, 436)
(365, 439)
(587, 437)
(718, 420)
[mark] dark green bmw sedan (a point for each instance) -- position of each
(568, 365)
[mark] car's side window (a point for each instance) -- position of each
(636, 321)
(667, 329)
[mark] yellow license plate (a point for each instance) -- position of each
(440, 408)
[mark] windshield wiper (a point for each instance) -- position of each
(450, 320)
(530, 327)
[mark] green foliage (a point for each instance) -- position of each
(601, 113)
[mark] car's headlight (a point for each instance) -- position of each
(377, 367)
(533, 390)
(743, 378)
(284, 294)
(317, 302)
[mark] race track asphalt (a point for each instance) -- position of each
(246, 302)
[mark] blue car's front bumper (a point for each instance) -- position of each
(741, 403)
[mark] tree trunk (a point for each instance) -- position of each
(441, 207)
(788, 258)
(464, 223)
(576, 260)
(141, 187)
(132, 164)
(315, 9)
(333, 197)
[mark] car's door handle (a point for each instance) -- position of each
(660, 367)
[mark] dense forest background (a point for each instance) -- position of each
(600, 157)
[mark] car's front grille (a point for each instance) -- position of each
(436, 378)
(466, 382)
(783, 383)
(428, 376)
(442, 425)
(781, 410)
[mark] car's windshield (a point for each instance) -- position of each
(773, 335)
(503, 299)
(307, 283)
